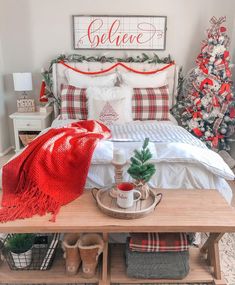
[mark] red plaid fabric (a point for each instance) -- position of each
(158, 242)
(150, 103)
(73, 103)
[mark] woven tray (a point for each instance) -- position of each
(141, 208)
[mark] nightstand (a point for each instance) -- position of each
(28, 123)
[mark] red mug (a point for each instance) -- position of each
(125, 195)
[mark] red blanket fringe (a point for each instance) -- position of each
(29, 202)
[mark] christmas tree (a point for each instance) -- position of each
(108, 115)
(207, 108)
(140, 169)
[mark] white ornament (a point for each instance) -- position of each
(205, 101)
(207, 134)
(193, 124)
(205, 116)
(219, 49)
(223, 131)
(212, 58)
(203, 129)
(226, 119)
(221, 39)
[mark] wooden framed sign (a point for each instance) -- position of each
(119, 32)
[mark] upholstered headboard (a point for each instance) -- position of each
(59, 73)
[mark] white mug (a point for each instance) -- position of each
(125, 195)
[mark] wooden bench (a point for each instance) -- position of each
(180, 211)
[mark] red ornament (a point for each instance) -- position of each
(197, 132)
(223, 29)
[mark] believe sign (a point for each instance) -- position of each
(119, 32)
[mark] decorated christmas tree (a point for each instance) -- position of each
(207, 108)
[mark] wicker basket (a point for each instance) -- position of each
(27, 138)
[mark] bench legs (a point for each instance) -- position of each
(105, 276)
(211, 247)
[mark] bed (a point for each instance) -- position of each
(182, 161)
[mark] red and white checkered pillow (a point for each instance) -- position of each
(150, 103)
(73, 103)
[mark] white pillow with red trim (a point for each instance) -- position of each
(110, 105)
(79, 80)
(144, 80)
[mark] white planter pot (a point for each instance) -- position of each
(22, 260)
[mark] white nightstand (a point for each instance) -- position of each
(29, 122)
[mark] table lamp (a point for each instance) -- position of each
(23, 82)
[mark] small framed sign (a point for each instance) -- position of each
(119, 32)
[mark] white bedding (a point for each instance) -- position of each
(179, 164)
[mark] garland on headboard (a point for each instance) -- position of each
(47, 74)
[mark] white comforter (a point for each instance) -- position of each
(182, 161)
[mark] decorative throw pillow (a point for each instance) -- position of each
(109, 105)
(73, 103)
(144, 80)
(150, 103)
(79, 80)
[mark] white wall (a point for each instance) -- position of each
(4, 133)
(35, 31)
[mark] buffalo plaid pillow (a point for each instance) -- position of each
(158, 242)
(73, 103)
(150, 103)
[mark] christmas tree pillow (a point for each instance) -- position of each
(109, 105)
(150, 103)
(73, 103)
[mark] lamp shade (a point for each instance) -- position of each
(22, 81)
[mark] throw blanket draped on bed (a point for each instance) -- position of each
(50, 172)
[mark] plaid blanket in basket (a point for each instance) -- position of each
(158, 242)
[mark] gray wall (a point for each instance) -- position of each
(35, 31)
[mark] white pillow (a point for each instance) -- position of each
(110, 105)
(144, 80)
(79, 80)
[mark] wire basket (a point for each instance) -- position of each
(39, 257)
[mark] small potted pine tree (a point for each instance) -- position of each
(20, 248)
(141, 170)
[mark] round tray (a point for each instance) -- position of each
(141, 208)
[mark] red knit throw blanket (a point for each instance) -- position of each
(50, 172)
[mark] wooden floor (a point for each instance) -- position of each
(5, 158)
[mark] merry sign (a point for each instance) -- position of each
(119, 32)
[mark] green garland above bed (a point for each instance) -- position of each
(47, 74)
